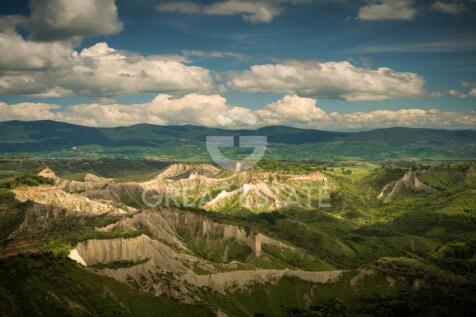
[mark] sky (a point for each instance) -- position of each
(323, 64)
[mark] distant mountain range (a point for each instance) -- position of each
(44, 136)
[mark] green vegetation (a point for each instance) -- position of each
(459, 257)
(112, 234)
(45, 285)
(12, 214)
(25, 180)
(57, 247)
(391, 287)
(118, 264)
(76, 168)
(421, 245)
(49, 139)
(215, 249)
(289, 167)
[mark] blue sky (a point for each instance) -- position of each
(328, 53)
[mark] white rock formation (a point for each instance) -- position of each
(161, 261)
(52, 195)
(181, 170)
(408, 181)
(48, 173)
(74, 255)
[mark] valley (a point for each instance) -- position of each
(222, 242)
(238, 158)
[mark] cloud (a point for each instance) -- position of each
(378, 10)
(206, 110)
(440, 46)
(455, 93)
(17, 54)
(54, 92)
(28, 111)
(215, 111)
(448, 7)
(9, 23)
(254, 12)
(184, 7)
(388, 10)
(469, 87)
(42, 62)
(46, 64)
(429, 118)
(291, 109)
(261, 11)
(214, 54)
(95, 71)
(328, 80)
(66, 19)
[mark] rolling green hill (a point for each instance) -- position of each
(187, 142)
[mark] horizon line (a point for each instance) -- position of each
(238, 129)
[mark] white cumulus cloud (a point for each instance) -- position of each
(66, 19)
(17, 54)
(95, 71)
(215, 111)
(291, 109)
(45, 63)
(29, 111)
(388, 10)
(328, 80)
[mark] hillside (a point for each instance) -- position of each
(58, 139)
(404, 253)
(44, 285)
(62, 135)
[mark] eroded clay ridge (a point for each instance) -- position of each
(203, 185)
(409, 181)
(68, 194)
(53, 195)
(164, 223)
(156, 266)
